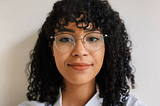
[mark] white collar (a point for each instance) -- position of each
(94, 101)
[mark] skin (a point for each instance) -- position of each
(79, 85)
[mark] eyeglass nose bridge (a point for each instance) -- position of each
(80, 38)
(82, 41)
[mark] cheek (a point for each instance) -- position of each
(60, 63)
(99, 57)
(59, 58)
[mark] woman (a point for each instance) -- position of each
(81, 58)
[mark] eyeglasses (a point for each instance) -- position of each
(65, 42)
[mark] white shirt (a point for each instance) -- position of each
(94, 101)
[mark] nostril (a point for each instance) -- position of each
(75, 54)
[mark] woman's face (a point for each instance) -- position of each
(80, 65)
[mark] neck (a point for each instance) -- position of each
(78, 94)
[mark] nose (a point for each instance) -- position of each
(79, 50)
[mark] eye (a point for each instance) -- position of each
(93, 39)
(66, 39)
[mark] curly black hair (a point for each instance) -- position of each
(116, 72)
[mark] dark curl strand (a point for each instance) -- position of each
(116, 72)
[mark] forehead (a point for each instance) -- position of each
(72, 27)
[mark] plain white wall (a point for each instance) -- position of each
(21, 19)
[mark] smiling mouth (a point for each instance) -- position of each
(79, 66)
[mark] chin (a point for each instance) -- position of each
(80, 80)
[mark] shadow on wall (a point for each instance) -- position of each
(16, 78)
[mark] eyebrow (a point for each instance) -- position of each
(66, 30)
(89, 30)
(70, 30)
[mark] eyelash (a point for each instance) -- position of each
(94, 39)
(62, 40)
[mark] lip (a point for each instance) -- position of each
(79, 66)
